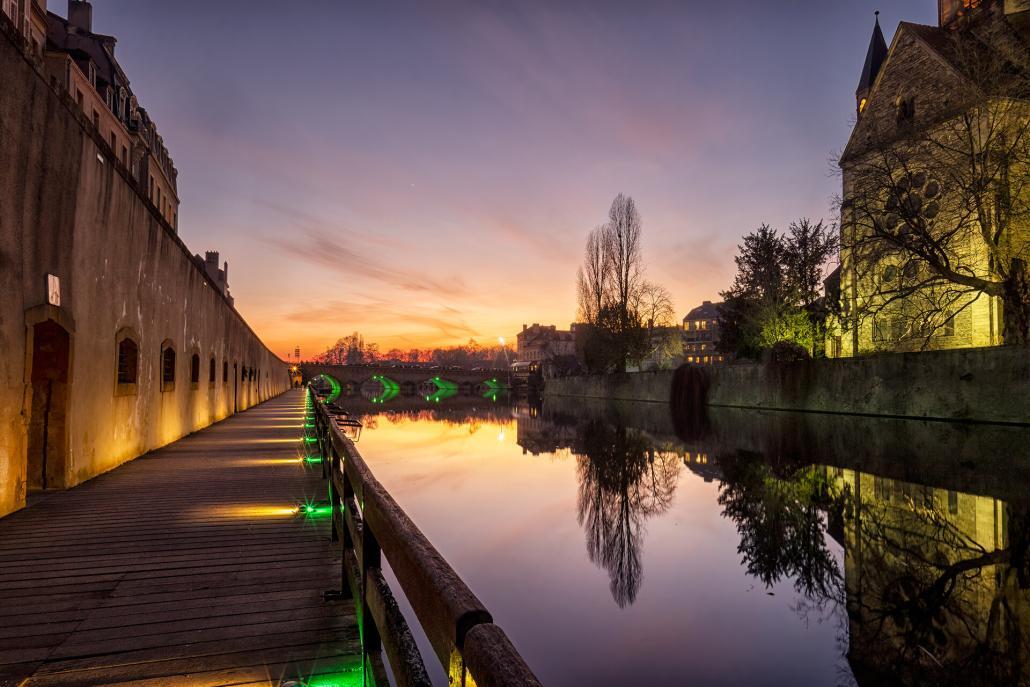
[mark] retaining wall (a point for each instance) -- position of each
(972, 384)
(70, 209)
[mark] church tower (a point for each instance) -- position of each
(874, 58)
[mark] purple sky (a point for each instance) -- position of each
(427, 172)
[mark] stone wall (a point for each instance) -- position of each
(973, 384)
(69, 208)
(629, 386)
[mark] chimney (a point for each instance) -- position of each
(80, 15)
(523, 327)
(706, 303)
(226, 273)
(211, 258)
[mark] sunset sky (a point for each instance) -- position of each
(426, 172)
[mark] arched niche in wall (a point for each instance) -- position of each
(167, 368)
(127, 362)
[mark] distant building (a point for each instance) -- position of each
(82, 64)
(538, 343)
(701, 335)
(218, 276)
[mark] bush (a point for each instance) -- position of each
(788, 352)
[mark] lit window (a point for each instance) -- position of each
(861, 105)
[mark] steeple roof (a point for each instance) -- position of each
(874, 58)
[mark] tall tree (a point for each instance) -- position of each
(610, 286)
(776, 292)
(622, 245)
(593, 277)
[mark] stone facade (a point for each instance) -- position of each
(917, 94)
(969, 384)
(701, 335)
(83, 64)
(539, 343)
(114, 340)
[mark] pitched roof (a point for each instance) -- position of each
(874, 58)
(705, 311)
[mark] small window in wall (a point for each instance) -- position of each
(225, 372)
(167, 368)
(195, 370)
(128, 366)
(211, 372)
(96, 119)
(125, 156)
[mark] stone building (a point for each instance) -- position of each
(701, 335)
(923, 267)
(219, 276)
(539, 343)
(30, 19)
(82, 64)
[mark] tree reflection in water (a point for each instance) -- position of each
(934, 582)
(622, 482)
(933, 587)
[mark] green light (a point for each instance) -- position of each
(311, 440)
(312, 459)
(444, 390)
(315, 508)
(336, 388)
(391, 389)
(352, 678)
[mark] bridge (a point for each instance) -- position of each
(407, 380)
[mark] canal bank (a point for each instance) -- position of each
(968, 385)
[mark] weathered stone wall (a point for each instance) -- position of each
(973, 384)
(68, 208)
(629, 386)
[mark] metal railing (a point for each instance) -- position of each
(369, 523)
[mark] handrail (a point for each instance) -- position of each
(371, 524)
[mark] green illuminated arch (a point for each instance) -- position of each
(445, 388)
(336, 388)
(391, 389)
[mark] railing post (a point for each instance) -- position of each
(371, 557)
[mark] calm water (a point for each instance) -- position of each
(616, 546)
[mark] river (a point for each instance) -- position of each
(617, 545)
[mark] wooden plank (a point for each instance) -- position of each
(184, 567)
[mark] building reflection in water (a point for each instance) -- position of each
(934, 584)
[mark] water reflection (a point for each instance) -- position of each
(623, 481)
(933, 585)
(906, 542)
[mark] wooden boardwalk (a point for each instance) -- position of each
(183, 567)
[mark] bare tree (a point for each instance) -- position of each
(611, 290)
(936, 207)
(622, 246)
(655, 305)
(592, 280)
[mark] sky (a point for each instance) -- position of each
(427, 172)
